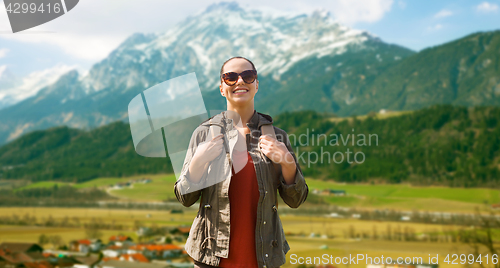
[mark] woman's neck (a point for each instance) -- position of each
(245, 112)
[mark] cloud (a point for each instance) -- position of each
(82, 46)
(3, 52)
(347, 11)
(362, 11)
(92, 29)
(32, 83)
(443, 13)
(2, 69)
(487, 7)
(435, 27)
(402, 4)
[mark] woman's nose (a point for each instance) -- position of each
(240, 81)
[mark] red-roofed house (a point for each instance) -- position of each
(109, 259)
(153, 251)
(137, 257)
(171, 251)
(182, 230)
(114, 251)
(85, 245)
(47, 254)
(87, 261)
(120, 240)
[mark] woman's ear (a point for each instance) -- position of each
(221, 90)
(257, 87)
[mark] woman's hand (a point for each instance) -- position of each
(209, 150)
(275, 150)
(279, 154)
(205, 152)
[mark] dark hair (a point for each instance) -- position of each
(238, 57)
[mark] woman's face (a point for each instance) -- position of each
(241, 93)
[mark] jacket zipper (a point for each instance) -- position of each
(262, 213)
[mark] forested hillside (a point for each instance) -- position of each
(440, 145)
(74, 155)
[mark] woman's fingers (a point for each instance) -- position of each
(218, 137)
(218, 142)
(267, 138)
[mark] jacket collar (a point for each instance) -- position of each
(256, 121)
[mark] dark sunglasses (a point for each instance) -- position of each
(231, 78)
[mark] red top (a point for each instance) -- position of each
(243, 200)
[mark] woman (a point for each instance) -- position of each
(247, 233)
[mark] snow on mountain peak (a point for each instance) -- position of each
(273, 40)
(31, 84)
(225, 6)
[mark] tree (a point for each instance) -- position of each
(482, 238)
(43, 239)
(55, 240)
(92, 230)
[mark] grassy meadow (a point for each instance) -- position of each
(366, 196)
(128, 218)
(336, 244)
(330, 234)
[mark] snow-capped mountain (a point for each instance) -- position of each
(274, 41)
(283, 47)
(7, 81)
(14, 89)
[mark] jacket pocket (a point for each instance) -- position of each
(208, 241)
(197, 227)
(285, 247)
(278, 243)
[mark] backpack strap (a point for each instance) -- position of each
(216, 130)
(269, 130)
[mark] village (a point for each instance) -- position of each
(120, 252)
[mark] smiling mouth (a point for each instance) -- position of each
(240, 90)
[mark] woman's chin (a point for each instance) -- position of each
(240, 101)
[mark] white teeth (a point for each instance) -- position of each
(240, 90)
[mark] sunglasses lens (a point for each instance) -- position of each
(248, 76)
(230, 78)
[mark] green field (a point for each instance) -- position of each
(99, 182)
(161, 188)
(43, 184)
(470, 195)
(400, 196)
(403, 196)
(391, 196)
(301, 246)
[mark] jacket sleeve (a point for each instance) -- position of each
(183, 185)
(296, 193)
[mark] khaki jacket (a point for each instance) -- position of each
(208, 239)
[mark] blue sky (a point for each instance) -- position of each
(421, 24)
(93, 28)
